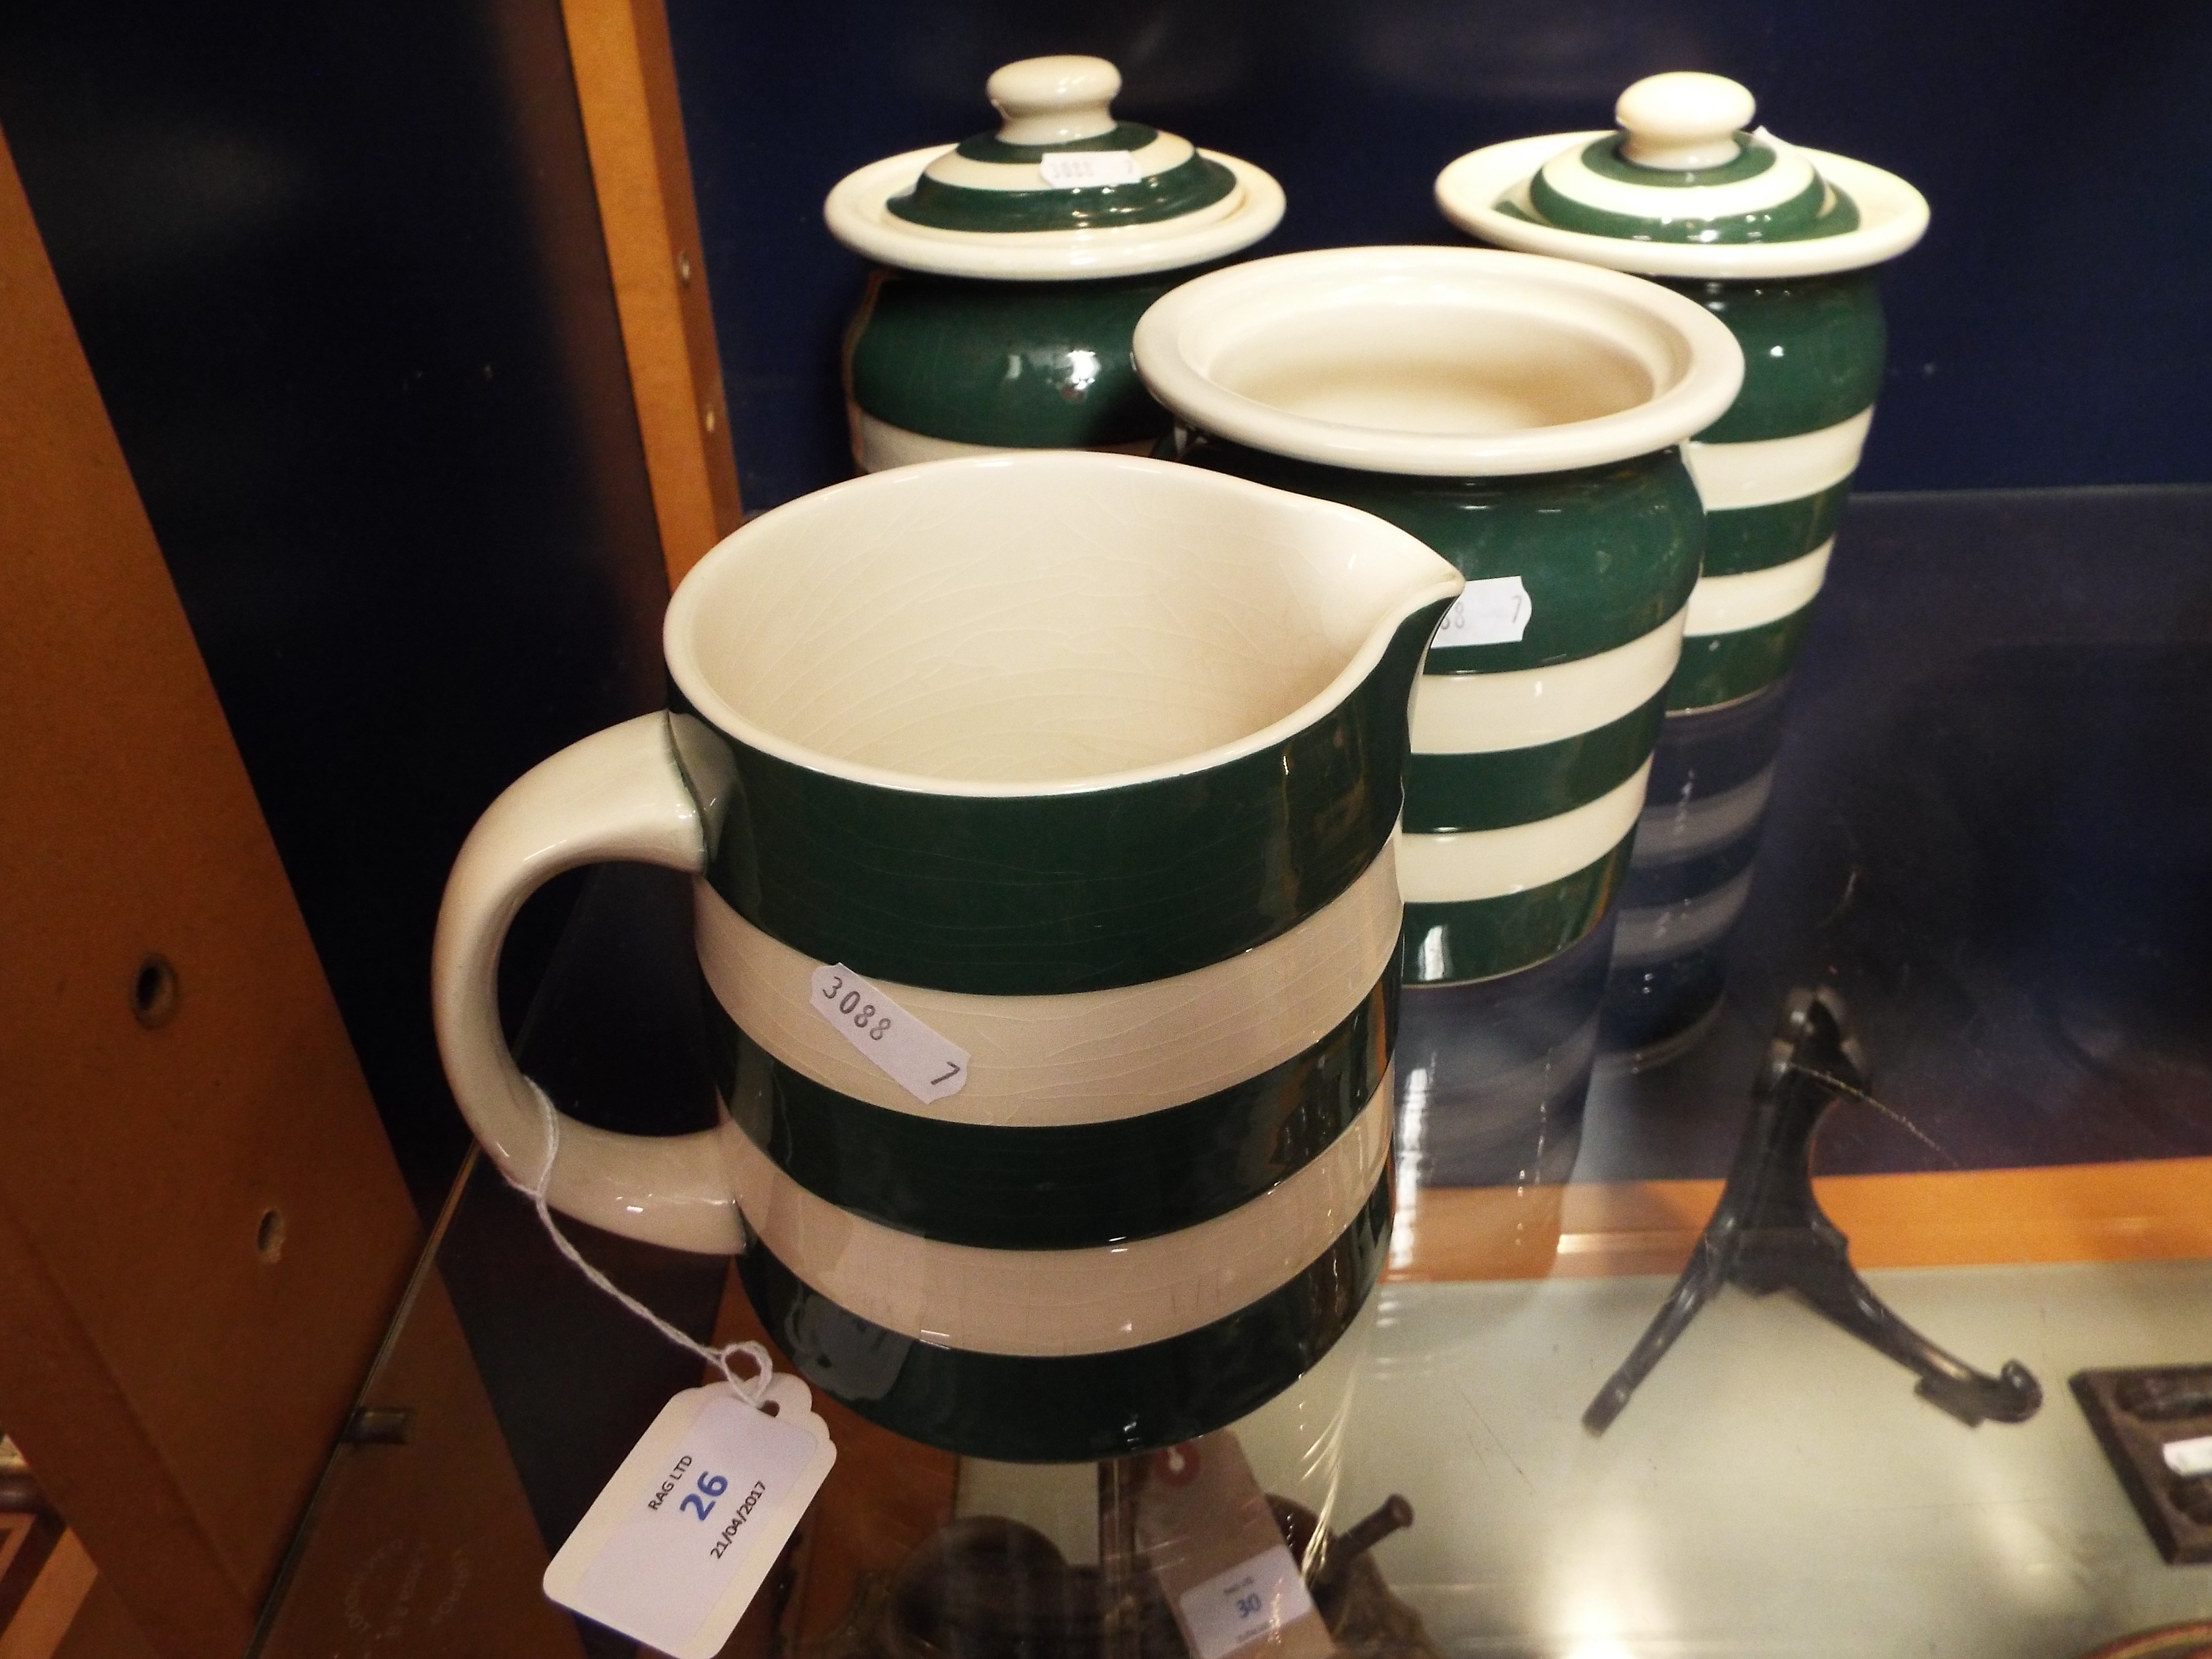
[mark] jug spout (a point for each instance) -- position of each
(1054, 722)
(1038, 792)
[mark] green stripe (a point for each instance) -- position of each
(1739, 539)
(1813, 350)
(1064, 1186)
(1182, 189)
(1122, 135)
(1754, 156)
(1074, 1408)
(1041, 895)
(1607, 553)
(1655, 886)
(1492, 791)
(1481, 939)
(1718, 668)
(1009, 365)
(1806, 217)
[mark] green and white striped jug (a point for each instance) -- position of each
(1042, 810)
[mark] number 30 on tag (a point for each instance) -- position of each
(675, 1548)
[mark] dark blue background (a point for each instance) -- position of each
(2052, 329)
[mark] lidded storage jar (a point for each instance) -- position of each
(1524, 417)
(1015, 266)
(1782, 245)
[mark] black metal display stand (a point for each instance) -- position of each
(1769, 1234)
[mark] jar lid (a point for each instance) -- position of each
(1062, 191)
(1684, 188)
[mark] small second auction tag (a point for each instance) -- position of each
(917, 1059)
(1072, 169)
(2188, 1456)
(1207, 1530)
(1254, 1599)
(675, 1548)
(1494, 611)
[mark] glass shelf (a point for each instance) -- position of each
(1991, 832)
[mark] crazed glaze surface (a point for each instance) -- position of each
(1135, 860)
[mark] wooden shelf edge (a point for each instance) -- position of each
(2155, 1211)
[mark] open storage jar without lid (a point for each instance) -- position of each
(1443, 361)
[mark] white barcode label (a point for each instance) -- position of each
(1072, 169)
(1252, 1600)
(917, 1059)
(681, 1539)
(2188, 1456)
(1492, 611)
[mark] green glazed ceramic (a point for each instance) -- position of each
(1780, 244)
(1017, 263)
(1522, 418)
(1607, 555)
(1042, 810)
(998, 365)
(1774, 472)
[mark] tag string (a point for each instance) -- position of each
(750, 1390)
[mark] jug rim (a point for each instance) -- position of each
(1420, 578)
(1695, 365)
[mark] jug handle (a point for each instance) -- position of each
(617, 794)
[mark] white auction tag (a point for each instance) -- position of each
(675, 1548)
(1072, 169)
(2188, 1456)
(1252, 1600)
(917, 1059)
(1218, 1556)
(1494, 611)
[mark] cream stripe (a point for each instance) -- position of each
(953, 169)
(1088, 1056)
(1041, 1302)
(1729, 605)
(1483, 713)
(1675, 929)
(879, 446)
(1788, 177)
(1479, 863)
(1772, 470)
(1675, 830)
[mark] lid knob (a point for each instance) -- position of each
(1053, 100)
(1680, 121)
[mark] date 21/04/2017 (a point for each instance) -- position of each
(701, 1501)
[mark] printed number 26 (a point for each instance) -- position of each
(714, 1486)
